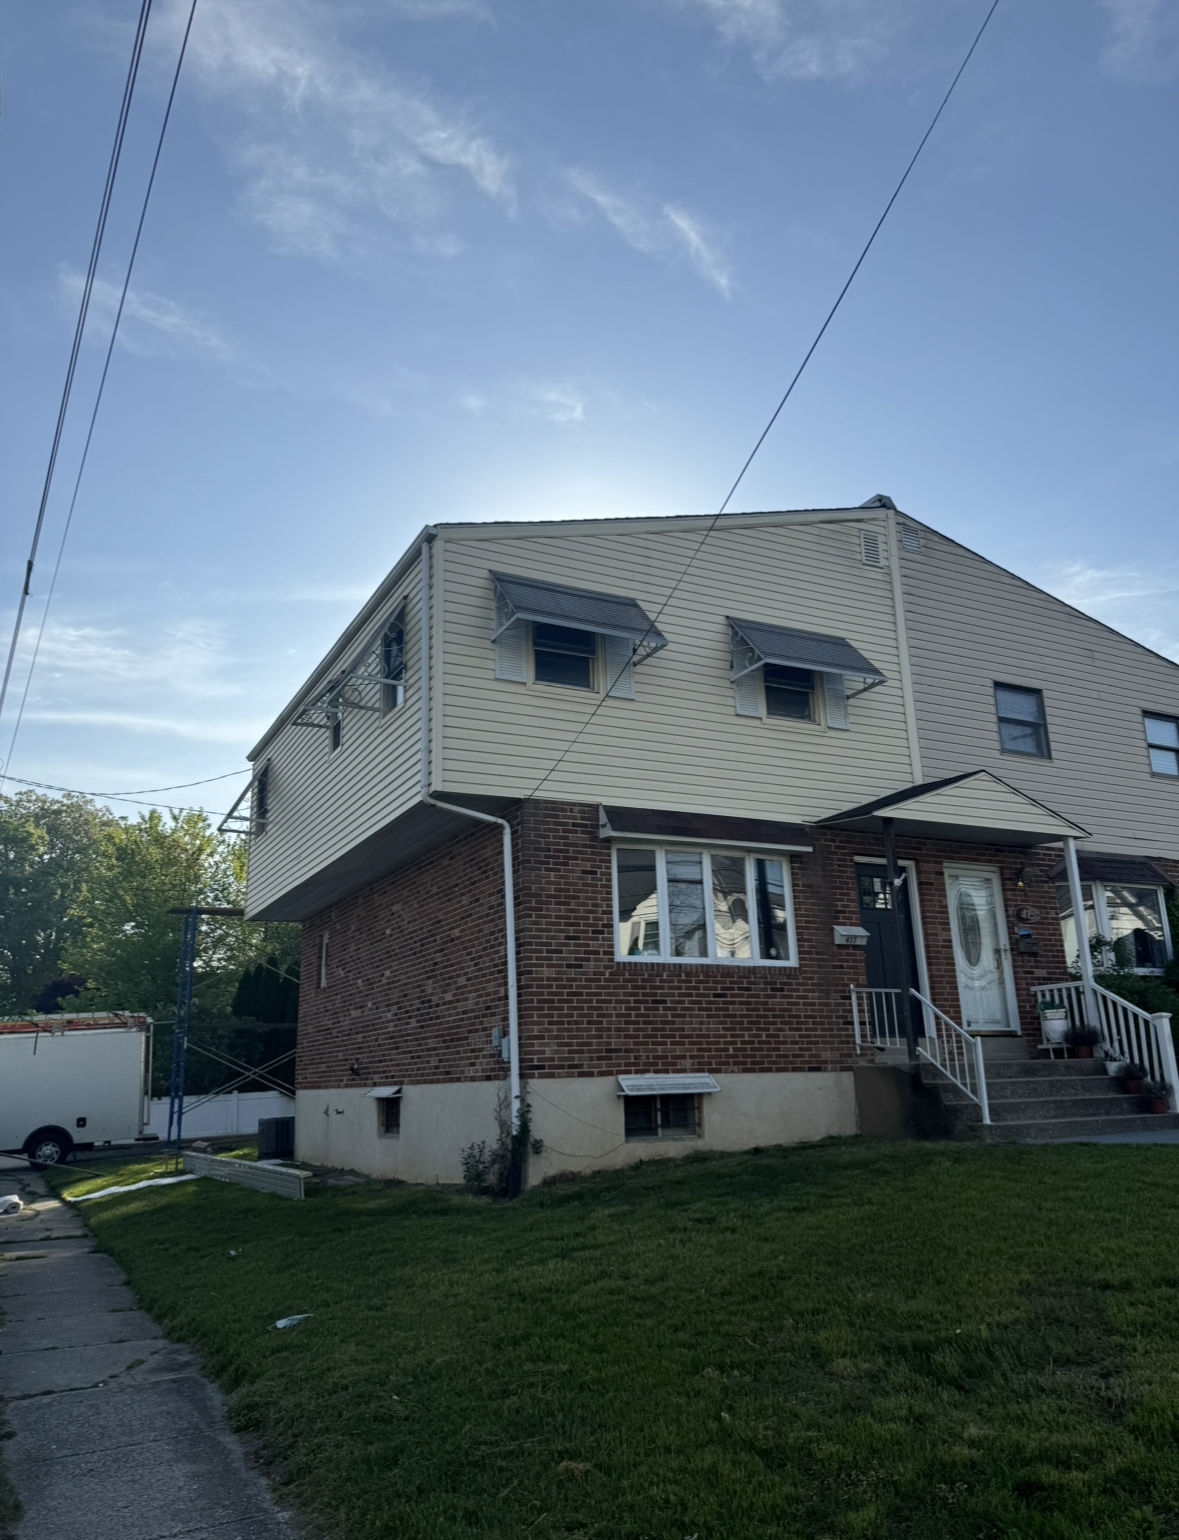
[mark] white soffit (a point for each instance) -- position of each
(666, 1085)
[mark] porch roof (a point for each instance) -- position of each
(975, 806)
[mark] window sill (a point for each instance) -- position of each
(708, 962)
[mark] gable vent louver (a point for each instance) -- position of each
(910, 538)
(871, 548)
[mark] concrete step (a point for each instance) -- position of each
(1079, 1069)
(1059, 1088)
(1071, 1128)
(1052, 1109)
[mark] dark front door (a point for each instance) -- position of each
(886, 917)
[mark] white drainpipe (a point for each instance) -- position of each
(468, 812)
(1080, 926)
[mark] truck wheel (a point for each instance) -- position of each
(48, 1147)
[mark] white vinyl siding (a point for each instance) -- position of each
(679, 744)
(970, 623)
(321, 803)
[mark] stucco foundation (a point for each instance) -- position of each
(579, 1119)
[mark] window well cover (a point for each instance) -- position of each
(805, 649)
(582, 608)
(666, 1085)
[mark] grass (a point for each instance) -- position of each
(847, 1341)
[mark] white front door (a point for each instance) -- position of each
(981, 954)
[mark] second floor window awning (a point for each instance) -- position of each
(581, 609)
(786, 648)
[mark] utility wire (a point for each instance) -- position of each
(142, 791)
(80, 327)
(110, 796)
(765, 432)
(94, 414)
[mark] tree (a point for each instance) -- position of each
(128, 943)
(47, 845)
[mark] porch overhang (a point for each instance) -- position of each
(977, 807)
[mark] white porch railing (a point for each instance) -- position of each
(876, 1015)
(955, 1052)
(1126, 1030)
(879, 1023)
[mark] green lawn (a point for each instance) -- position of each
(847, 1340)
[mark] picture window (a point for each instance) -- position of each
(675, 904)
(1133, 919)
(1023, 726)
(1162, 741)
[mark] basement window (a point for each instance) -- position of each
(663, 1117)
(389, 1117)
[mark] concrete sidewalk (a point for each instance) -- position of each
(116, 1433)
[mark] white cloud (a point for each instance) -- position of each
(800, 39)
(151, 325)
(334, 148)
(553, 403)
(561, 402)
(1139, 602)
(1145, 41)
(664, 231)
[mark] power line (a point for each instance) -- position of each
(142, 791)
(80, 327)
(114, 796)
(97, 403)
(765, 432)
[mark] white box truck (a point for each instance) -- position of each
(72, 1082)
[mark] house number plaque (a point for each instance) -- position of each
(1027, 912)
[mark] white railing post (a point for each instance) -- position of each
(1081, 928)
(1165, 1046)
(981, 1073)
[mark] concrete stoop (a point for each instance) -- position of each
(1035, 1099)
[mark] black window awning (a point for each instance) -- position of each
(1134, 871)
(524, 598)
(802, 649)
(665, 824)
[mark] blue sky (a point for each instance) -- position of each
(417, 260)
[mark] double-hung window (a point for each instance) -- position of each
(677, 904)
(790, 692)
(1162, 742)
(1132, 918)
(393, 663)
(1023, 726)
(564, 655)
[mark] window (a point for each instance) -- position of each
(389, 1116)
(662, 1117)
(393, 663)
(562, 655)
(336, 736)
(1162, 739)
(790, 692)
(261, 801)
(1132, 918)
(1023, 728)
(681, 905)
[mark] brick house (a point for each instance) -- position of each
(664, 826)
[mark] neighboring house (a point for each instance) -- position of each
(700, 736)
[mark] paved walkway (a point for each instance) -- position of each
(116, 1433)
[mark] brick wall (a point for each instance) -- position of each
(417, 982)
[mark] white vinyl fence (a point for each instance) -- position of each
(237, 1112)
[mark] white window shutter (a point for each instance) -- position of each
(747, 688)
(511, 653)
(620, 678)
(835, 697)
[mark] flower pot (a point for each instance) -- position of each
(1132, 1087)
(1113, 1067)
(1082, 1051)
(1157, 1104)
(1055, 1025)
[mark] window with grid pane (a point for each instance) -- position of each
(662, 1117)
(1162, 740)
(1023, 726)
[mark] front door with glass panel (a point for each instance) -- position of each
(982, 958)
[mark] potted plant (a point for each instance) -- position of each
(1082, 1040)
(1115, 1062)
(1155, 1092)
(1053, 1020)
(1133, 1077)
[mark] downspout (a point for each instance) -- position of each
(1084, 956)
(912, 727)
(428, 797)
